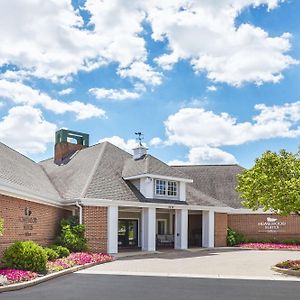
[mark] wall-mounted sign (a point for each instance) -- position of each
(271, 225)
(28, 222)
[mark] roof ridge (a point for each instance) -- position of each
(20, 153)
(52, 183)
(90, 178)
(210, 165)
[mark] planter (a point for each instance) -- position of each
(286, 271)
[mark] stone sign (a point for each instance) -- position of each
(271, 225)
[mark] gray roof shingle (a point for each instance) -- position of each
(24, 174)
(216, 181)
(148, 164)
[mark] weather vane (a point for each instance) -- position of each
(139, 137)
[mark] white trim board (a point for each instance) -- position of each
(104, 202)
(156, 176)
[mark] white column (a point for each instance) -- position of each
(208, 229)
(181, 228)
(170, 222)
(148, 229)
(112, 229)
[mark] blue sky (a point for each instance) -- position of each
(207, 82)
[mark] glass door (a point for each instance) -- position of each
(128, 233)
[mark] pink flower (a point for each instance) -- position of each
(269, 246)
(14, 275)
(81, 258)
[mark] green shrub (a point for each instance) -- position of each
(25, 255)
(1, 226)
(72, 237)
(61, 251)
(51, 254)
(234, 238)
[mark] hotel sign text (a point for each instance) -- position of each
(271, 225)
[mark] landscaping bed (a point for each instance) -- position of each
(288, 267)
(270, 246)
(12, 276)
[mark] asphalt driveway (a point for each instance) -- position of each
(105, 287)
(224, 263)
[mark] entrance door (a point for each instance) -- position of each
(195, 231)
(128, 233)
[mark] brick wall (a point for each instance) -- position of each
(40, 223)
(256, 226)
(95, 220)
(220, 229)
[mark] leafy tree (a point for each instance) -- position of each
(273, 183)
(1, 226)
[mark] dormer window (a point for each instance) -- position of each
(166, 188)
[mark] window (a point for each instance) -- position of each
(165, 188)
(172, 188)
(160, 187)
(161, 226)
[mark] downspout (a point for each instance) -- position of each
(80, 211)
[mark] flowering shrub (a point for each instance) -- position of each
(59, 264)
(289, 264)
(82, 258)
(269, 246)
(14, 275)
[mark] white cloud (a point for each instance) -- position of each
(66, 91)
(156, 141)
(205, 33)
(203, 131)
(25, 130)
(2, 104)
(49, 39)
(206, 156)
(196, 127)
(22, 94)
(114, 94)
(142, 71)
(212, 88)
(121, 143)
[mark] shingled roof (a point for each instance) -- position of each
(148, 164)
(98, 172)
(24, 175)
(216, 181)
(94, 172)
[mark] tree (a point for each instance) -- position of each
(273, 183)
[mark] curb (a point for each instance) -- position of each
(286, 271)
(25, 284)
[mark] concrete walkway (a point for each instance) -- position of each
(222, 263)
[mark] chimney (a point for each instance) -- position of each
(64, 149)
(139, 152)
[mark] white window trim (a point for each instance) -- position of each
(166, 190)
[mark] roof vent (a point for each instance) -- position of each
(64, 145)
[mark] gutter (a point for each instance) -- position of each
(80, 211)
